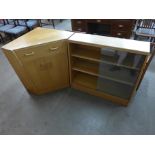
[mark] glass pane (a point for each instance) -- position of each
(114, 88)
(118, 72)
(122, 58)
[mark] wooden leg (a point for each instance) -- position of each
(53, 23)
(1, 38)
(38, 23)
(135, 37)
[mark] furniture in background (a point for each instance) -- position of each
(10, 29)
(1, 24)
(6, 26)
(49, 22)
(145, 28)
(17, 30)
(46, 60)
(1, 38)
(108, 27)
(30, 23)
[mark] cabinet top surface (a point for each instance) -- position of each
(36, 37)
(133, 46)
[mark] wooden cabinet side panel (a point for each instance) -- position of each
(70, 63)
(139, 77)
(18, 68)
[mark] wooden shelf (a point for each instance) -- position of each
(96, 56)
(103, 85)
(87, 54)
(93, 69)
(86, 67)
(121, 75)
(85, 80)
(114, 88)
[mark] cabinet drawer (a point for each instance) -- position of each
(103, 21)
(77, 22)
(122, 26)
(94, 20)
(79, 29)
(39, 51)
(120, 34)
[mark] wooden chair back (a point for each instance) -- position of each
(146, 23)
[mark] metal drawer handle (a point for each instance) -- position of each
(120, 25)
(53, 49)
(119, 34)
(79, 29)
(98, 20)
(29, 54)
(79, 22)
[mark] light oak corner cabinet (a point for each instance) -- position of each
(47, 60)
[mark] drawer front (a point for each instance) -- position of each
(78, 22)
(39, 51)
(79, 29)
(122, 26)
(120, 34)
(103, 21)
(79, 25)
(94, 21)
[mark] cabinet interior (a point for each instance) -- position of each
(95, 68)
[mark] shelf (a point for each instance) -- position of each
(85, 80)
(87, 54)
(102, 85)
(117, 74)
(114, 88)
(96, 56)
(86, 67)
(95, 70)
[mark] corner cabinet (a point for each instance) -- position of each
(46, 60)
(42, 67)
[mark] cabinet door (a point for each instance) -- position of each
(46, 66)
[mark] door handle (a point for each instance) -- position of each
(53, 49)
(120, 25)
(29, 54)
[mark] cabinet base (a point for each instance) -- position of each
(114, 99)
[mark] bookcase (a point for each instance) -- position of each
(105, 70)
